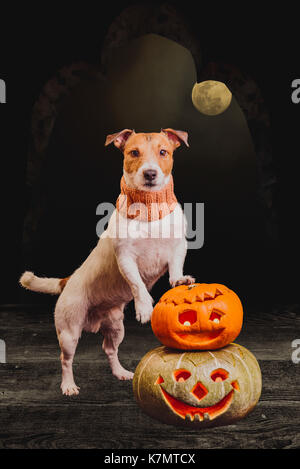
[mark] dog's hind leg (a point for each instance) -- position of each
(68, 340)
(112, 328)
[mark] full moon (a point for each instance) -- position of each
(211, 97)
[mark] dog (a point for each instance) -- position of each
(130, 257)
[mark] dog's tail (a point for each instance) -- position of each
(54, 286)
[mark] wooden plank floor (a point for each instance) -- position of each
(34, 414)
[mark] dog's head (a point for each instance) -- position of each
(148, 157)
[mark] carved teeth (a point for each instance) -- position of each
(187, 301)
(206, 416)
(198, 297)
(208, 296)
(199, 417)
(189, 417)
(169, 301)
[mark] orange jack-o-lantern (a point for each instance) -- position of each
(198, 317)
(199, 389)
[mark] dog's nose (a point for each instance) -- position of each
(150, 174)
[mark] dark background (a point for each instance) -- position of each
(36, 43)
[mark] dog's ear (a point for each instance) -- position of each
(176, 137)
(119, 138)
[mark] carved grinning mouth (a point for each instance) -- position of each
(202, 337)
(199, 413)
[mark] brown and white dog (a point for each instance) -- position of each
(130, 257)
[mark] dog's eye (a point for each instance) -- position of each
(135, 153)
(163, 152)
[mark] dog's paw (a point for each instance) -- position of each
(143, 310)
(185, 280)
(69, 389)
(122, 374)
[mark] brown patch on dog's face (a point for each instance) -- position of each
(148, 148)
(148, 157)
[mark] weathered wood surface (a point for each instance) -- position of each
(34, 414)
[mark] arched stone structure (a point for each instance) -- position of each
(134, 22)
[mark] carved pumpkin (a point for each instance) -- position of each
(197, 317)
(201, 389)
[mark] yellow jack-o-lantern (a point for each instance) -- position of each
(199, 389)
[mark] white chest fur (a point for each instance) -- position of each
(171, 226)
(151, 244)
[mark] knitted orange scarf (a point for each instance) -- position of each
(146, 205)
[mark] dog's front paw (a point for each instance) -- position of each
(185, 280)
(143, 310)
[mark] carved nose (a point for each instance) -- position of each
(199, 391)
(150, 174)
